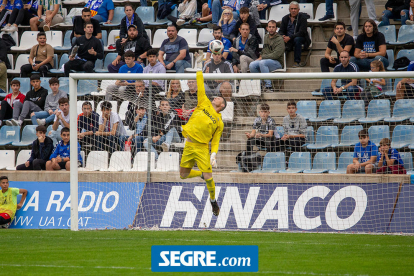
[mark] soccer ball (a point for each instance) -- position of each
(216, 47)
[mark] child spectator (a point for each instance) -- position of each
(42, 148)
(155, 67)
(88, 124)
(60, 158)
(34, 101)
(6, 110)
(374, 85)
(48, 115)
(8, 201)
(262, 133)
(61, 119)
(390, 161)
(365, 155)
(294, 126)
(140, 127)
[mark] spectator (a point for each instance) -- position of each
(339, 42)
(294, 126)
(395, 9)
(190, 103)
(176, 49)
(140, 127)
(348, 87)
(217, 8)
(124, 87)
(369, 46)
(272, 56)
(259, 7)
(8, 202)
(262, 132)
(22, 16)
(164, 128)
(135, 43)
(78, 26)
(218, 66)
(88, 124)
(5, 45)
(111, 130)
(390, 161)
(62, 119)
(410, 20)
(246, 18)
(206, 14)
(131, 18)
(49, 14)
(6, 109)
(186, 9)
(34, 101)
(89, 49)
(294, 31)
(42, 148)
(154, 66)
(227, 23)
(40, 59)
(374, 86)
(365, 155)
(405, 89)
(102, 10)
(51, 105)
(218, 35)
(355, 6)
(329, 11)
(7, 7)
(60, 158)
(175, 95)
(245, 49)
(140, 99)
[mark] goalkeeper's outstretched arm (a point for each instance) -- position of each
(201, 91)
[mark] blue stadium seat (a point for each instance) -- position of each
(28, 136)
(405, 35)
(376, 133)
(280, 130)
(307, 109)
(45, 84)
(310, 136)
(109, 58)
(64, 84)
(402, 136)
(377, 111)
(344, 160)
(328, 110)
(298, 162)
(325, 83)
(272, 163)
(407, 158)
(85, 87)
(165, 21)
(24, 85)
(390, 54)
(119, 13)
(387, 88)
(105, 37)
(323, 162)
(63, 59)
(393, 92)
(389, 33)
(349, 136)
(146, 14)
(403, 110)
(66, 42)
(351, 111)
(9, 134)
(326, 136)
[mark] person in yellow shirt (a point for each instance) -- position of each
(8, 201)
(205, 125)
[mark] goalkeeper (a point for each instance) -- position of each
(205, 124)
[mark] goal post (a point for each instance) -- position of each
(135, 182)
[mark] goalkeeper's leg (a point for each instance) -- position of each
(211, 187)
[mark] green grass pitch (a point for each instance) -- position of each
(122, 252)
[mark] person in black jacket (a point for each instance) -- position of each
(78, 23)
(245, 17)
(294, 31)
(243, 56)
(34, 102)
(165, 127)
(395, 9)
(42, 148)
(135, 43)
(89, 50)
(131, 18)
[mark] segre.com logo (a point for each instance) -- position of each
(204, 258)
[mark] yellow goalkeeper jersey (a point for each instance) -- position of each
(205, 123)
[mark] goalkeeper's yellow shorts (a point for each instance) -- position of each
(196, 152)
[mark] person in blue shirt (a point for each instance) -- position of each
(218, 35)
(348, 86)
(365, 155)
(390, 161)
(101, 10)
(60, 158)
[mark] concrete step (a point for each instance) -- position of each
(289, 96)
(301, 85)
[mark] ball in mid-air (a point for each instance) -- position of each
(216, 47)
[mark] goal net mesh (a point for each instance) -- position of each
(295, 154)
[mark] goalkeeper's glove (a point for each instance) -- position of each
(213, 160)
